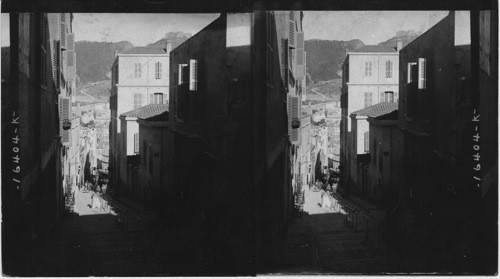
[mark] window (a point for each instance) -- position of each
(389, 96)
(411, 91)
(388, 69)
(367, 142)
(158, 70)
(368, 69)
(411, 72)
(374, 159)
(368, 99)
(182, 91)
(158, 98)
(137, 101)
(138, 70)
(136, 143)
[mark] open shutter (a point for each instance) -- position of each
(70, 65)
(70, 41)
(422, 73)
(64, 118)
(151, 98)
(284, 63)
(193, 75)
(293, 116)
(56, 64)
(63, 34)
(300, 68)
(291, 29)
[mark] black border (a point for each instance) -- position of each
(216, 6)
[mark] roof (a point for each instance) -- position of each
(145, 50)
(375, 48)
(393, 115)
(160, 117)
(377, 110)
(146, 111)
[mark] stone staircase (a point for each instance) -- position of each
(325, 243)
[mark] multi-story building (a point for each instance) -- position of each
(484, 56)
(439, 119)
(378, 174)
(140, 76)
(154, 146)
(135, 182)
(35, 129)
(361, 182)
(370, 76)
(232, 131)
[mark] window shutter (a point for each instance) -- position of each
(70, 41)
(193, 74)
(284, 63)
(64, 115)
(422, 73)
(151, 98)
(300, 56)
(43, 66)
(293, 114)
(381, 96)
(56, 64)
(63, 35)
(291, 29)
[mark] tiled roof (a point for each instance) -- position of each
(393, 115)
(377, 110)
(375, 48)
(146, 111)
(145, 50)
(160, 117)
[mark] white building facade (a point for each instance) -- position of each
(370, 76)
(140, 76)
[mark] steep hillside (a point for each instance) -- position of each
(94, 59)
(325, 58)
(405, 36)
(176, 38)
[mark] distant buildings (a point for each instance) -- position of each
(36, 123)
(370, 76)
(140, 76)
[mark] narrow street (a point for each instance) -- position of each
(91, 242)
(321, 242)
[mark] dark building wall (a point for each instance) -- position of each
(38, 203)
(443, 109)
(237, 146)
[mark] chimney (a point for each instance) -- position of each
(168, 47)
(399, 45)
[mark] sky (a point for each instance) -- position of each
(371, 27)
